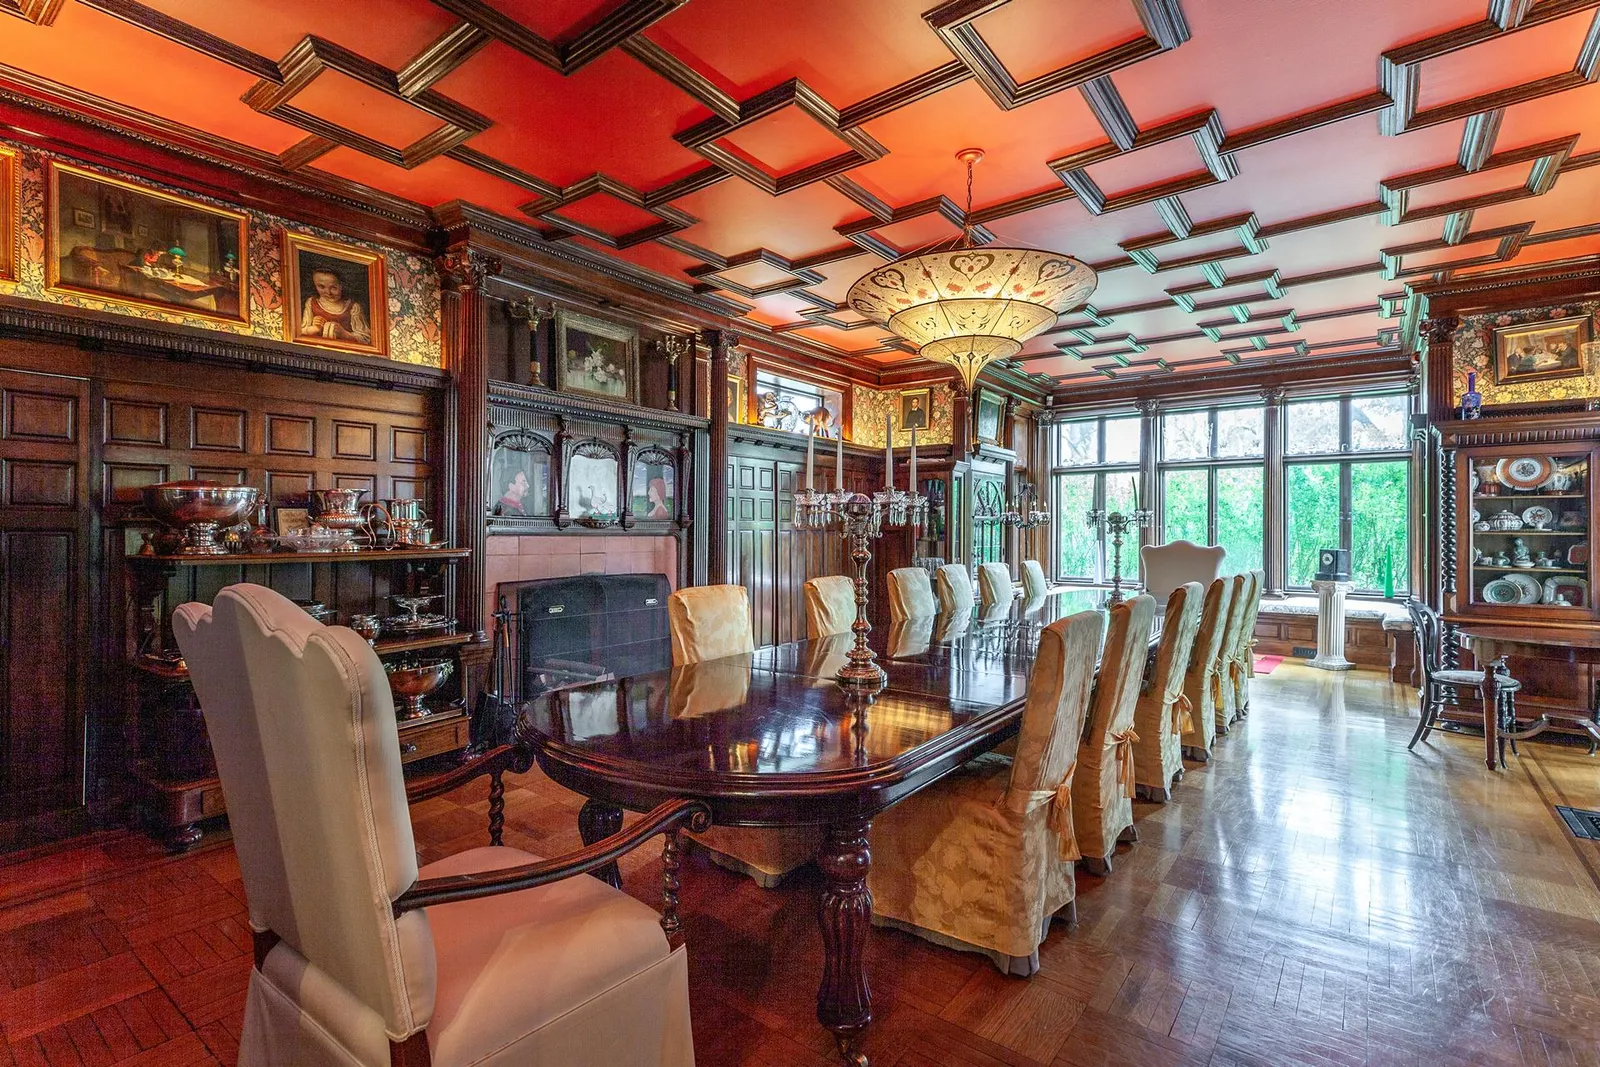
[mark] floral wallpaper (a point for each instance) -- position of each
(870, 406)
(1472, 349)
(414, 318)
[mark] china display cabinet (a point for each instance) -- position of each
(172, 769)
(1517, 500)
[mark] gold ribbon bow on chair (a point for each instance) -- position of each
(1059, 818)
(1216, 689)
(1182, 714)
(1123, 743)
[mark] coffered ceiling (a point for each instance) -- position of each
(1253, 180)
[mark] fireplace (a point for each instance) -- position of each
(559, 632)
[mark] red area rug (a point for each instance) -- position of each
(1267, 664)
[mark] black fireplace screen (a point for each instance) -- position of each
(559, 632)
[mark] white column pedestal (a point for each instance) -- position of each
(1330, 626)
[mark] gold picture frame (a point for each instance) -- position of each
(738, 399)
(312, 268)
(10, 212)
(595, 357)
(123, 262)
(1538, 351)
(916, 409)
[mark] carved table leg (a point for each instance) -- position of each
(596, 822)
(844, 1003)
(1491, 716)
(497, 807)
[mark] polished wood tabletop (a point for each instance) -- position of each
(1490, 645)
(770, 739)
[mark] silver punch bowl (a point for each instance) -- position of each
(199, 510)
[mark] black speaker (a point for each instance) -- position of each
(1333, 565)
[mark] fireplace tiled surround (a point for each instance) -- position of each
(512, 559)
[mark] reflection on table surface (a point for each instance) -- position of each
(778, 711)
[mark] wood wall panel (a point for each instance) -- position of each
(408, 445)
(290, 435)
(354, 440)
(216, 429)
(131, 422)
(39, 416)
(37, 484)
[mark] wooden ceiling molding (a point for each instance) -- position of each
(1198, 208)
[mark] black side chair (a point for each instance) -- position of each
(1436, 678)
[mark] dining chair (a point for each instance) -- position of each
(711, 622)
(954, 585)
(1034, 584)
(491, 956)
(994, 584)
(1224, 705)
(1163, 712)
(983, 858)
(1437, 679)
(910, 593)
(1177, 563)
(1244, 657)
(830, 605)
(1102, 790)
(1200, 680)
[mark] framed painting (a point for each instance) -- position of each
(1533, 351)
(292, 521)
(915, 406)
(519, 476)
(125, 243)
(991, 413)
(736, 399)
(595, 357)
(654, 486)
(334, 296)
(592, 482)
(10, 210)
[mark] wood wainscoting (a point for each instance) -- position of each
(1366, 644)
(80, 432)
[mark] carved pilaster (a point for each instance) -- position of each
(462, 273)
(721, 344)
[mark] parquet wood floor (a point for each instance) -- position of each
(1315, 897)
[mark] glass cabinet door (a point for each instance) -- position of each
(1528, 530)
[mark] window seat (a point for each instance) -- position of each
(1377, 633)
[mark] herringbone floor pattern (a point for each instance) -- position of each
(1315, 897)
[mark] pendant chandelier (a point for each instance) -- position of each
(969, 305)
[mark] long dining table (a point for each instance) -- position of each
(770, 739)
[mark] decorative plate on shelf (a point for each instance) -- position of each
(1564, 590)
(1538, 517)
(1525, 473)
(1528, 588)
(1477, 516)
(1560, 481)
(1578, 554)
(1500, 591)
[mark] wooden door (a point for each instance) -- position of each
(46, 536)
(752, 533)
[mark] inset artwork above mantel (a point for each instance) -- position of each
(1536, 355)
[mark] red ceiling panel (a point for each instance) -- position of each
(343, 101)
(613, 117)
(434, 182)
(737, 217)
(785, 140)
(1541, 120)
(390, 32)
(1034, 37)
(1513, 59)
(553, 19)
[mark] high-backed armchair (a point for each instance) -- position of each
(982, 859)
(1178, 562)
(1244, 657)
(712, 622)
(954, 585)
(1163, 711)
(492, 956)
(1102, 791)
(1200, 682)
(1225, 704)
(994, 584)
(910, 593)
(830, 605)
(1034, 583)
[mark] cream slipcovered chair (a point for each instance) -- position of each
(1163, 711)
(1244, 657)
(830, 605)
(981, 859)
(1200, 683)
(1102, 791)
(994, 585)
(1034, 584)
(954, 584)
(1178, 562)
(488, 957)
(710, 622)
(910, 593)
(1223, 702)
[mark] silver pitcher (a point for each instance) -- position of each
(337, 509)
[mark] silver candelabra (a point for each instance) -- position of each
(1118, 524)
(859, 519)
